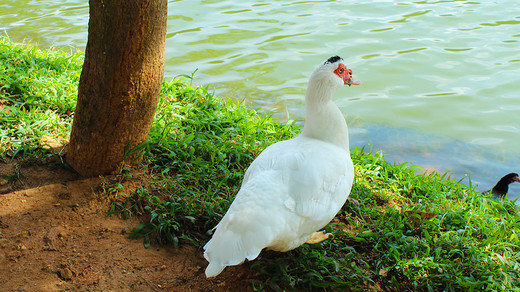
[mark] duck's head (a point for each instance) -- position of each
(502, 186)
(335, 73)
(511, 178)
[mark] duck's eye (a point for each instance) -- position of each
(341, 70)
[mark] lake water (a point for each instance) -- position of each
(441, 79)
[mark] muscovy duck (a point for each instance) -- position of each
(294, 187)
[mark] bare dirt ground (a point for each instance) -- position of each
(55, 236)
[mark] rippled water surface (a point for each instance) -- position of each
(441, 79)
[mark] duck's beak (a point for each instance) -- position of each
(350, 80)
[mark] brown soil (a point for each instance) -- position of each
(55, 236)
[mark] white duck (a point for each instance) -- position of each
(294, 187)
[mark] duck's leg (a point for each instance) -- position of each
(318, 237)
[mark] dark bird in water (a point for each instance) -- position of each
(499, 191)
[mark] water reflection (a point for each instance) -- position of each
(484, 165)
(432, 68)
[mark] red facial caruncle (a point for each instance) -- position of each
(346, 75)
(343, 72)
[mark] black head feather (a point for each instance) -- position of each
(506, 180)
(333, 59)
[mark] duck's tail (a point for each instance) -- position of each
(228, 248)
(214, 268)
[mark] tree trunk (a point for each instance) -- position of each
(120, 83)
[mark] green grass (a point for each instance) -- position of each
(415, 232)
(37, 95)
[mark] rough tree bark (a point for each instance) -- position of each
(120, 82)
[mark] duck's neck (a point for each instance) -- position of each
(324, 121)
(502, 185)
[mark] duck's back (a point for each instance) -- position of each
(292, 189)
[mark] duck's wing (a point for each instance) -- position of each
(316, 176)
(289, 191)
